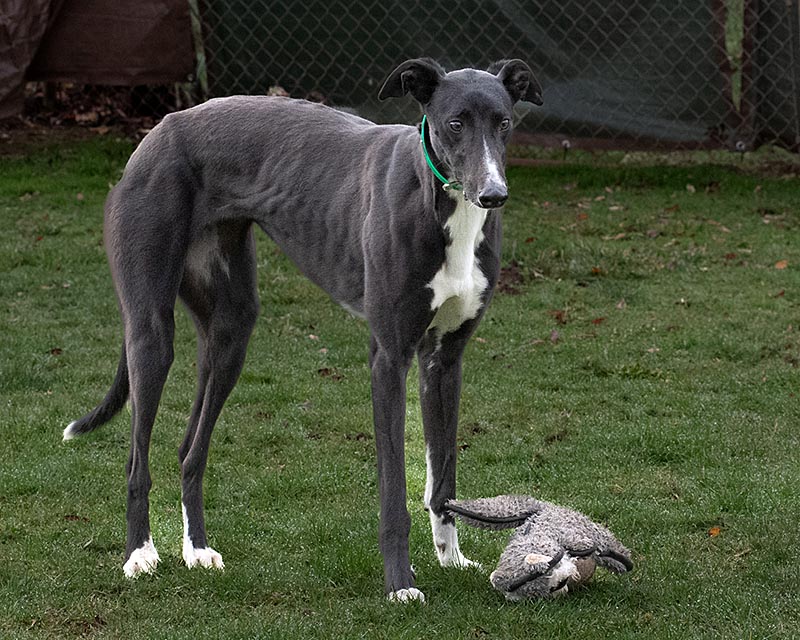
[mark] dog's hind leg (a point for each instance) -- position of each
(149, 359)
(219, 289)
(147, 301)
(440, 390)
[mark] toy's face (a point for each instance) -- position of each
(534, 575)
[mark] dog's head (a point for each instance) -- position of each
(469, 117)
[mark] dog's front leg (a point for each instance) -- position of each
(440, 392)
(389, 371)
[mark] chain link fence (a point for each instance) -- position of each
(616, 73)
(685, 73)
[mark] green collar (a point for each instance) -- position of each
(446, 184)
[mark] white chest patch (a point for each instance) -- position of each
(460, 283)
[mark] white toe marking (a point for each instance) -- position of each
(68, 433)
(206, 557)
(142, 560)
(407, 595)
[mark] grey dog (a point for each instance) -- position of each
(399, 226)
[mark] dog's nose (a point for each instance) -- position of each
(493, 197)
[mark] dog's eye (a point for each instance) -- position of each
(456, 125)
(505, 123)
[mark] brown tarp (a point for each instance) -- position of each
(110, 42)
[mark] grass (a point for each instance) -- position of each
(639, 364)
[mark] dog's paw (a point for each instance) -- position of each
(142, 560)
(206, 557)
(454, 558)
(445, 541)
(407, 595)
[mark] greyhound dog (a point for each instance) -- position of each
(399, 226)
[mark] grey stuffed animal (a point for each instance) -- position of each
(553, 550)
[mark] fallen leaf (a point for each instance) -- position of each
(530, 239)
(599, 198)
(780, 294)
(597, 271)
(559, 315)
(311, 336)
(673, 208)
(622, 304)
(619, 236)
(598, 321)
(480, 340)
(714, 531)
(582, 216)
(691, 188)
(71, 517)
(653, 350)
(555, 336)
(511, 277)
(57, 351)
(616, 207)
(327, 372)
(781, 264)
(79, 197)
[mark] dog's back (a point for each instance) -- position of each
(247, 158)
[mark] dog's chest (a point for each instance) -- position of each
(459, 284)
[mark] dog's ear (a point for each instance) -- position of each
(502, 512)
(518, 79)
(419, 77)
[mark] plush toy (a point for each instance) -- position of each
(553, 550)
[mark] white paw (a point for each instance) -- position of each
(407, 595)
(142, 560)
(206, 557)
(445, 540)
(454, 558)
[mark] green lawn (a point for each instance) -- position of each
(639, 364)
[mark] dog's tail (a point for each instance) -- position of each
(108, 408)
